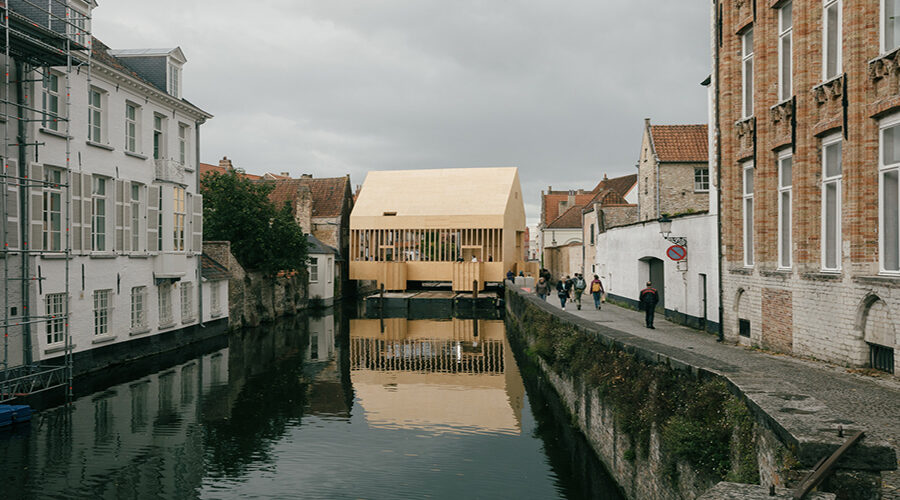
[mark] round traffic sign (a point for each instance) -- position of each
(677, 252)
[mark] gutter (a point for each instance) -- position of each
(199, 257)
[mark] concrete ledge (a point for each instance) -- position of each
(800, 421)
(737, 491)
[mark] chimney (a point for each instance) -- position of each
(571, 202)
(285, 174)
(225, 163)
(306, 176)
(581, 191)
(605, 178)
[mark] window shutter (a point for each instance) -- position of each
(86, 222)
(76, 219)
(120, 216)
(197, 225)
(11, 212)
(126, 219)
(36, 190)
(153, 218)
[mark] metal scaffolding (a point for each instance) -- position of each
(36, 35)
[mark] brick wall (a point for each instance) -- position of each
(826, 308)
(676, 189)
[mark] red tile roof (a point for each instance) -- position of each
(621, 185)
(680, 143)
(570, 219)
(551, 203)
(207, 168)
(327, 194)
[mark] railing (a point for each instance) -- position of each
(26, 380)
(169, 170)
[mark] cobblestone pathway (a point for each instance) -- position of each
(873, 402)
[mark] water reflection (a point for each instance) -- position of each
(312, 407)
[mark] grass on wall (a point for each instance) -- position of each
(699, 421)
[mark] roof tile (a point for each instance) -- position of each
(680, 143)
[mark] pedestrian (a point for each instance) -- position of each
(569, 284)
(649, 298)
(562, 292)
(597, 291)
(510, 276)
(542, 288)
(580, 285)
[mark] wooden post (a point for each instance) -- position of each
(475, 289)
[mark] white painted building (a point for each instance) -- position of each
(135, 214)
(322, 262)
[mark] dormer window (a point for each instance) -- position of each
(78, 25)
(174, 80)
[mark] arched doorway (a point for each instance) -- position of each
(653, 270)
(878, 332)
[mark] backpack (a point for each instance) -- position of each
(580, 284)
(595, 287)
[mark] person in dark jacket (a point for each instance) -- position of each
(510, 275)
(562, 292)
(542, 288)
(649, 298)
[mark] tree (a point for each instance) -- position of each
(262, 237)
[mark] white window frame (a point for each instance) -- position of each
(884, 27)
(55, 307)
(785, 58)
(99, 221)
(79, 27)
(215, 290)
(313, 269)
(102, 311)
(52, 206)
(174, 80)
(159, 136)
(50, 99)
(137, 217)
(747, 89)
(179, 215)
(96, 118)
(138, 308)
(187, 302)
(883, 168)
(701, 179)
(132, 127)
(827, 181)
(164, 294)
(159, 221)
(827, 4)
(184, 144)
(785, 209)
(748, 168)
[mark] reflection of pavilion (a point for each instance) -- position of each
(440, 376)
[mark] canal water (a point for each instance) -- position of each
(324, 406)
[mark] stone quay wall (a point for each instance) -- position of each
(254, 298)
(763, 448)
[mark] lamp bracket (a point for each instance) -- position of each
(678, 240)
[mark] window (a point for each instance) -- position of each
(889, 197)
(831, 203)
(785, 164)
(183, 143)
(56, 321)
(329, 270)
(890, 28)
(159, 221)
(701, 178)
(831, 39)
(79, 26)
(785, 57)
(747, 73)
(562, 207)
(95, 115)
(748, 213)
(52, 202)
(165, 304)
(136, 217)
(174, 77)
(592, 234)
(159, 136)
(98, 215)
(215, 290)
(138, 307)
(313, 270)
(50, 101)
(101, 311)
(178, 228)
(132, 133)
(187, 302)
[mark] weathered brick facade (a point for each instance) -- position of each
(674, 151)
(804, 307)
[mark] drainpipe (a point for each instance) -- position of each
(197, 124)
(25, 215)
(718, 146)
(656, 159)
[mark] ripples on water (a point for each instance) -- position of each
(311, 408)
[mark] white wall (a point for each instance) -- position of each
(323, 287)
(618, 263)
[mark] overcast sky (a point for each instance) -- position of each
(331, 87)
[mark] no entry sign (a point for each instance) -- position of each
(676, 252)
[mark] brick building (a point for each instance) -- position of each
(673, 170)
(807, 108)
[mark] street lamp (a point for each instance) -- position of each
(665, 229)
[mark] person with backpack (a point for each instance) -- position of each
(562, 291)
(542, 288)
(579, 287)
(569, 284)
(649, 298)
(597, 292)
